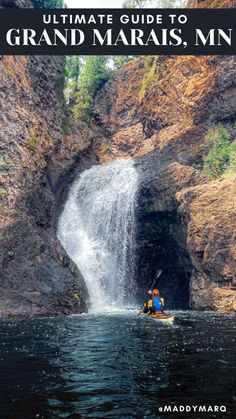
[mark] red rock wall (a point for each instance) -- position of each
(165, 128)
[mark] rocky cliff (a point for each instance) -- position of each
(37, 163)
(186, 223)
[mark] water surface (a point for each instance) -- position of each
(116, 365)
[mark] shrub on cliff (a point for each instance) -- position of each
(220, 152)
(150, 75)
(231, 170)
(3, 192)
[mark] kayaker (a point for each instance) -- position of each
(156, 304)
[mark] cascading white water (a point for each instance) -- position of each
(97, 229)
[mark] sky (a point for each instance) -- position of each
(94, 4)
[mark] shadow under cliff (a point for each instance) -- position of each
(157, 248)
(161, 238)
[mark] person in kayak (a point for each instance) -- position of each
(156, 304)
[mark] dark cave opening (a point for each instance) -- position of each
(160, 245)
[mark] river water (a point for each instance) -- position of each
(116, 365)
(111, 363)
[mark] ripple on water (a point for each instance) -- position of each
(115, 365)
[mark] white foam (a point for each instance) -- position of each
(97, 229)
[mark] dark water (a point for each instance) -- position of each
(116, 366)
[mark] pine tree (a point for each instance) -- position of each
(94, 74)
(72, 72)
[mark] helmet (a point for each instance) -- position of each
(156, 291)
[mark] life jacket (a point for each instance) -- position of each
(150, 304)
(157, 305)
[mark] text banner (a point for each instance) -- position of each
(118, 31)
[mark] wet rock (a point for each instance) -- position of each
(209, 213)
(38, 163)
(163, 128)
(160, 237)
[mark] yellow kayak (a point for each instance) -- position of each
(162, 317)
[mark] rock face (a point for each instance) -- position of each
(160, 236)
(186, 97)
(37, 163)
(209, 211)
(186, 223)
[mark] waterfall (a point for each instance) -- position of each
(97, 230)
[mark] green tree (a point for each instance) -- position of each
(220, 152)
(72, 72)
(49, 4)
(93, 75)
